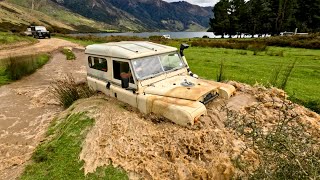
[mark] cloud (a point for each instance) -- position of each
(198, 2)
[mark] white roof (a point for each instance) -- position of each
(128, 49)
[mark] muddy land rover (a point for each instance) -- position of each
(153, 78)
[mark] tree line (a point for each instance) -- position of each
(265, 16)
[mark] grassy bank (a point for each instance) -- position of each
(58, 157)
(7, 39)
(14, 68)
(249, 62)
(68, 53)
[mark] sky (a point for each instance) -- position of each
(198, 2)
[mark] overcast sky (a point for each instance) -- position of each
(198, 2)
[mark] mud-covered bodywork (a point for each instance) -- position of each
(153, 78)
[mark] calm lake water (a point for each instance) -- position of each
(173, 35)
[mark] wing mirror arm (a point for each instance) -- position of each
(124, 82)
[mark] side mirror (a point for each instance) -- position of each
(124, 83)
(182, 48)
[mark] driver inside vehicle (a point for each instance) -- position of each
(126, 74)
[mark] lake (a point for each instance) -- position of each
(173, 35)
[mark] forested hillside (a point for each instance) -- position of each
(265, 16)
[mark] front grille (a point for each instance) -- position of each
(209, 97)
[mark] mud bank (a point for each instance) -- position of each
(152, 148)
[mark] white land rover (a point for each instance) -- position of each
(153, 78)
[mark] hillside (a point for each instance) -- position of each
(15, 17)
(104, 15)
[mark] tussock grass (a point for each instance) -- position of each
(68, 53)
(68, 91)
(220, 74)
(275, 53)
(58, 156)
(280, 77)
(14, 68)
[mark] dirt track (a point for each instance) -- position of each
(27, 107)
(44, 45)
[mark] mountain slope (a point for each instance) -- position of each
(145, 14)
(104, 15)
(16, 15)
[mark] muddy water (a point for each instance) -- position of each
(149, 150)
(26, 109)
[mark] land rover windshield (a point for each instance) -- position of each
(41, 28)
(155, 65)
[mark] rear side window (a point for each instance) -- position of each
(98, 63)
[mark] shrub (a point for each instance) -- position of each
(307, 41)
(310, 41)
(242, 52)
(257, 47)
(286, 150)
(69, 54)
(67, 91)
(231, 44)
(275, 53)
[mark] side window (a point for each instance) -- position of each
(98, 63)
(90, 61)
(122, 70)
(104, 64)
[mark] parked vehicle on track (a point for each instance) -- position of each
(166, 36)
(38, 32)
(153, 78)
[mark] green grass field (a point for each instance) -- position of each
(9, 38)
(58, 157)
(243, 66)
